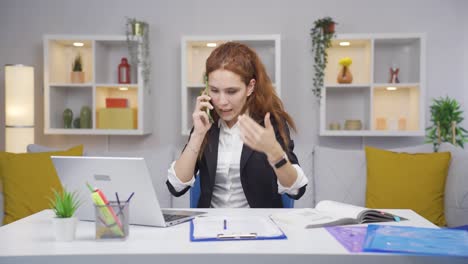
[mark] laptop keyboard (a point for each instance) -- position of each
(169, 217)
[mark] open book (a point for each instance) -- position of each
(331, 213)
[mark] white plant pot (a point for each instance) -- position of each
(64, 228)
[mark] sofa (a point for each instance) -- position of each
(334, 174)
(340, 175)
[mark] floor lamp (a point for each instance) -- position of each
(19, 107)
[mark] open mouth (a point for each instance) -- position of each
(225, 111)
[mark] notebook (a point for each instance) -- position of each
(124, 176)
(416, 240)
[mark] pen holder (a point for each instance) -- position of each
(112, 220)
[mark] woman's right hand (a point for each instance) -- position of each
(201, 121)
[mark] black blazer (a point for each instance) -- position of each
(258, 178)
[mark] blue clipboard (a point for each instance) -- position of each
(234, 237)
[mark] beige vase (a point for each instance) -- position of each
(77, 77)
(344, 76)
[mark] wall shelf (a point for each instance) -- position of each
(101, 56)
(384, 109)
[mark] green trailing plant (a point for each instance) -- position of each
(322, 34)
(137, 34)
(446, 117)
(64, 204)
(77, 65)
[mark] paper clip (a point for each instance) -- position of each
(238, 236)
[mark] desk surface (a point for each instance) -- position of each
(31, 240)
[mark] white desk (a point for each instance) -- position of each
(31, 240)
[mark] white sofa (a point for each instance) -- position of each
(340, 175)
(333, 174)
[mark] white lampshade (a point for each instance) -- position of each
(19, 107)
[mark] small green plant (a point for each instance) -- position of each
(446, 117)
(65, 203)
(77, 64)
(322, 33)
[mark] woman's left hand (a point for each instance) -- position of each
(259, 138)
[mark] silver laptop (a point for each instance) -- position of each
(122, 175)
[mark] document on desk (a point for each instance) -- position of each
(220, 228)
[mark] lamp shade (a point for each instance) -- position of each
(19, 95)
(19, 107)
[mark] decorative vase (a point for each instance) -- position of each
(77, 77)
(67, 118)
(64, 228)
(76, 123)
(345, 75)
(85, 117)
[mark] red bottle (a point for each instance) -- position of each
(124, 71)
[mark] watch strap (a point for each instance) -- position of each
(280, 163)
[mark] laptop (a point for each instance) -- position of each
(122, 175)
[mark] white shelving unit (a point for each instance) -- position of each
(101, 56)
(195, 51)
(384, 109)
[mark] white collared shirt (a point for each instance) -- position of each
(228, 191)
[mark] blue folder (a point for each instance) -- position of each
(233, 237)
(416, 240)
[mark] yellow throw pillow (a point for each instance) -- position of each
(407, 181)
(28, 180)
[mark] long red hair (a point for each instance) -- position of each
(243, 61)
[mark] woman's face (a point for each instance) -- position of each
(228, 94)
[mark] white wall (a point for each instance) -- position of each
(464, 24)
(24, 22)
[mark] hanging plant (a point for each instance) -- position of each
(446, 117)
(137, 33)
(322, 33)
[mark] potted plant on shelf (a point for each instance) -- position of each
(446, 117)
(77, 74)
(345, 76)
(322, 33)
(64, 204)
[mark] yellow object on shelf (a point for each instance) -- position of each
(117, 118)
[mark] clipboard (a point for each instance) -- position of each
(219, 228)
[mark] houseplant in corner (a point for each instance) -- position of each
(446, 117)
(64, 204)
(322, 33)
(77, 74)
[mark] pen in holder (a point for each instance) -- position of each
(112, 220)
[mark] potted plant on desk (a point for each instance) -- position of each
(64, 204)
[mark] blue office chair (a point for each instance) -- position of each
(195, 195)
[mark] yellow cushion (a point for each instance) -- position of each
(28, 180)
(407, 181)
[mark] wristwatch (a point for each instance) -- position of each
(280, 163)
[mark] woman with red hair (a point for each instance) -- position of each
(240, 145)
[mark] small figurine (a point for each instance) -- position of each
(394, 74)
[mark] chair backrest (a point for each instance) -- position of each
(195, 195)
